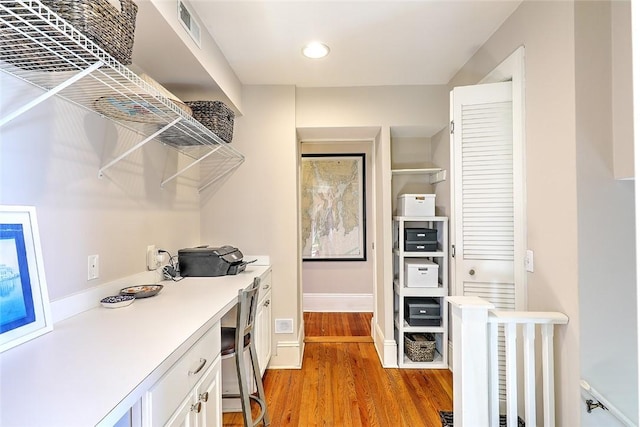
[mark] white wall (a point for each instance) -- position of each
(387, 107)
(338, 279)
(408, 153)
(606, 241)
(50, 157)
(579, 217)
(546, 29)
(621, 82)
(256, 207)
(441, 154)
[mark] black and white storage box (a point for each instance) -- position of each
(417, 205)
(422, 311)
(420, 240)
(420, 273)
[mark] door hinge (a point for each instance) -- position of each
(453, 251)
(451, 127)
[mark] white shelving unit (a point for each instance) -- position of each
(434, 174)
(40, 48)
(402, 292)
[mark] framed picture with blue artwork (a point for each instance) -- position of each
(24, 300)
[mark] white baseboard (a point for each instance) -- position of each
(288, 354)
(387, 349)
(338, 302)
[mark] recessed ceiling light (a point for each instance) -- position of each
(315, 50)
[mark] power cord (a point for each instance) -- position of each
(171, 271)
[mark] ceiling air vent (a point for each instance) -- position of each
(187, 19)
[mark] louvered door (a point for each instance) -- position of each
(485, 189)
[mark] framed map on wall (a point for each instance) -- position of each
(333, 207)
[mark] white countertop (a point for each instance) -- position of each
(99, 362)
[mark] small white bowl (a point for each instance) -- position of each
(117, 301)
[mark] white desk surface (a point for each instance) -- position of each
(95, 365)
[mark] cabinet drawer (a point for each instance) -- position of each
(265, 285)
(421, 234)
(165, 396)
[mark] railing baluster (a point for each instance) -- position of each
(471, 326)
(494, 377)
(529, 333)
(548, 383)
(511, 367)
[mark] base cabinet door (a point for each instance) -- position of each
(184, 415)
(202, 407)
(178, 397)
(209, 394)
(263, 332)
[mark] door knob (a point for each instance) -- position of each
(472, 272)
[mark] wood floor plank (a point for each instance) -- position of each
(336, 339)
(337, 324)
(344, 385)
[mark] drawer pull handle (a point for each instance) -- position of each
(199, 368)
(204, 397)
(197, 407)
(267, 286)
(267, 302)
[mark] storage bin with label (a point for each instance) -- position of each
(420, 240)
(417, 205)
(422, 311)
(420, 273)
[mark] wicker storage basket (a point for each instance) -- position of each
(215, 116)
(111, 29)
(420, 347)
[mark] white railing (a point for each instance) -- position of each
(476, 399)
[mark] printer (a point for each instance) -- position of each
(204, 261)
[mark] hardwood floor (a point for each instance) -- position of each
(342, 384)
(337, 324)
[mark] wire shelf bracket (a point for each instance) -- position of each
(219, 177)
(39, 47)
(195, 162)
(51, 92)
(135, 147)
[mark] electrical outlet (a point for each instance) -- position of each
(93, 267)
(153, 261)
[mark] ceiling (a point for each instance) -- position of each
(372, 43)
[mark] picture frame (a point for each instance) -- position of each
(24, 299)
(333, 213)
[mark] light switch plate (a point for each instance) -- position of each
(528, 261)
(93, 267)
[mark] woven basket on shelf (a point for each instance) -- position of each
(215, 116)
(420, 347)
(111, 29)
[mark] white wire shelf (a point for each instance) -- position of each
(40, 48)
